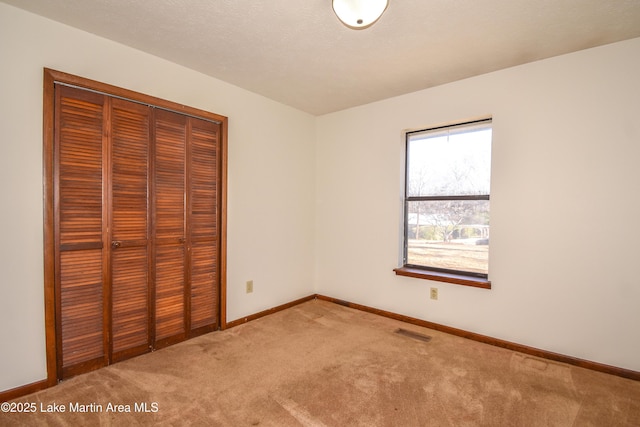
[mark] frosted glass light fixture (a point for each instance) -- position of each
(359, 14)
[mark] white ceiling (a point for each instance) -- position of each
(298, 53)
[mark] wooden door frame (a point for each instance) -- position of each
(51, 77)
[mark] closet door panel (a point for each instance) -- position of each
(81, 302)
(169, 215)
(203, 239)
(204, 290)
(130, 229)
(79, 258)
(130, 302)
(79, 161)
(170, 140)
(170, 301)
(204, 173)
(130, 158)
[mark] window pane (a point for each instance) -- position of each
(454, 161)
(449, 234)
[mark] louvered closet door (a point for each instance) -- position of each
(78, 230)
(169, 215)
(203, 224)
(129, 242)
(136, 228)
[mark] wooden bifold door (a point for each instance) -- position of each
(136, 227)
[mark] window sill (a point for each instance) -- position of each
(458, 279)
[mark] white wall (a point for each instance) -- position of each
(565, 205)
(270, 215)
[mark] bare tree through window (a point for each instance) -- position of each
(447, 198)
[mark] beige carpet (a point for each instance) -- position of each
(322, 364)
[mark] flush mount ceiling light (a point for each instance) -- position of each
(359, 14)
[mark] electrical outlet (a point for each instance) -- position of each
(249, 286)
(434, 293)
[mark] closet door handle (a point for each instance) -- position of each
(115, 244)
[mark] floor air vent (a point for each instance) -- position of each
(414, 335)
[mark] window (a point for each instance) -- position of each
(446, 203)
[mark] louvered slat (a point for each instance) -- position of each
(82, 306)
(170, 305)
(130, 300)
(130, 142)
(80, 166)
(204, 296)
(203, 168)
(169, 175)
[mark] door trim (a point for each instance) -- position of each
(52, 77)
